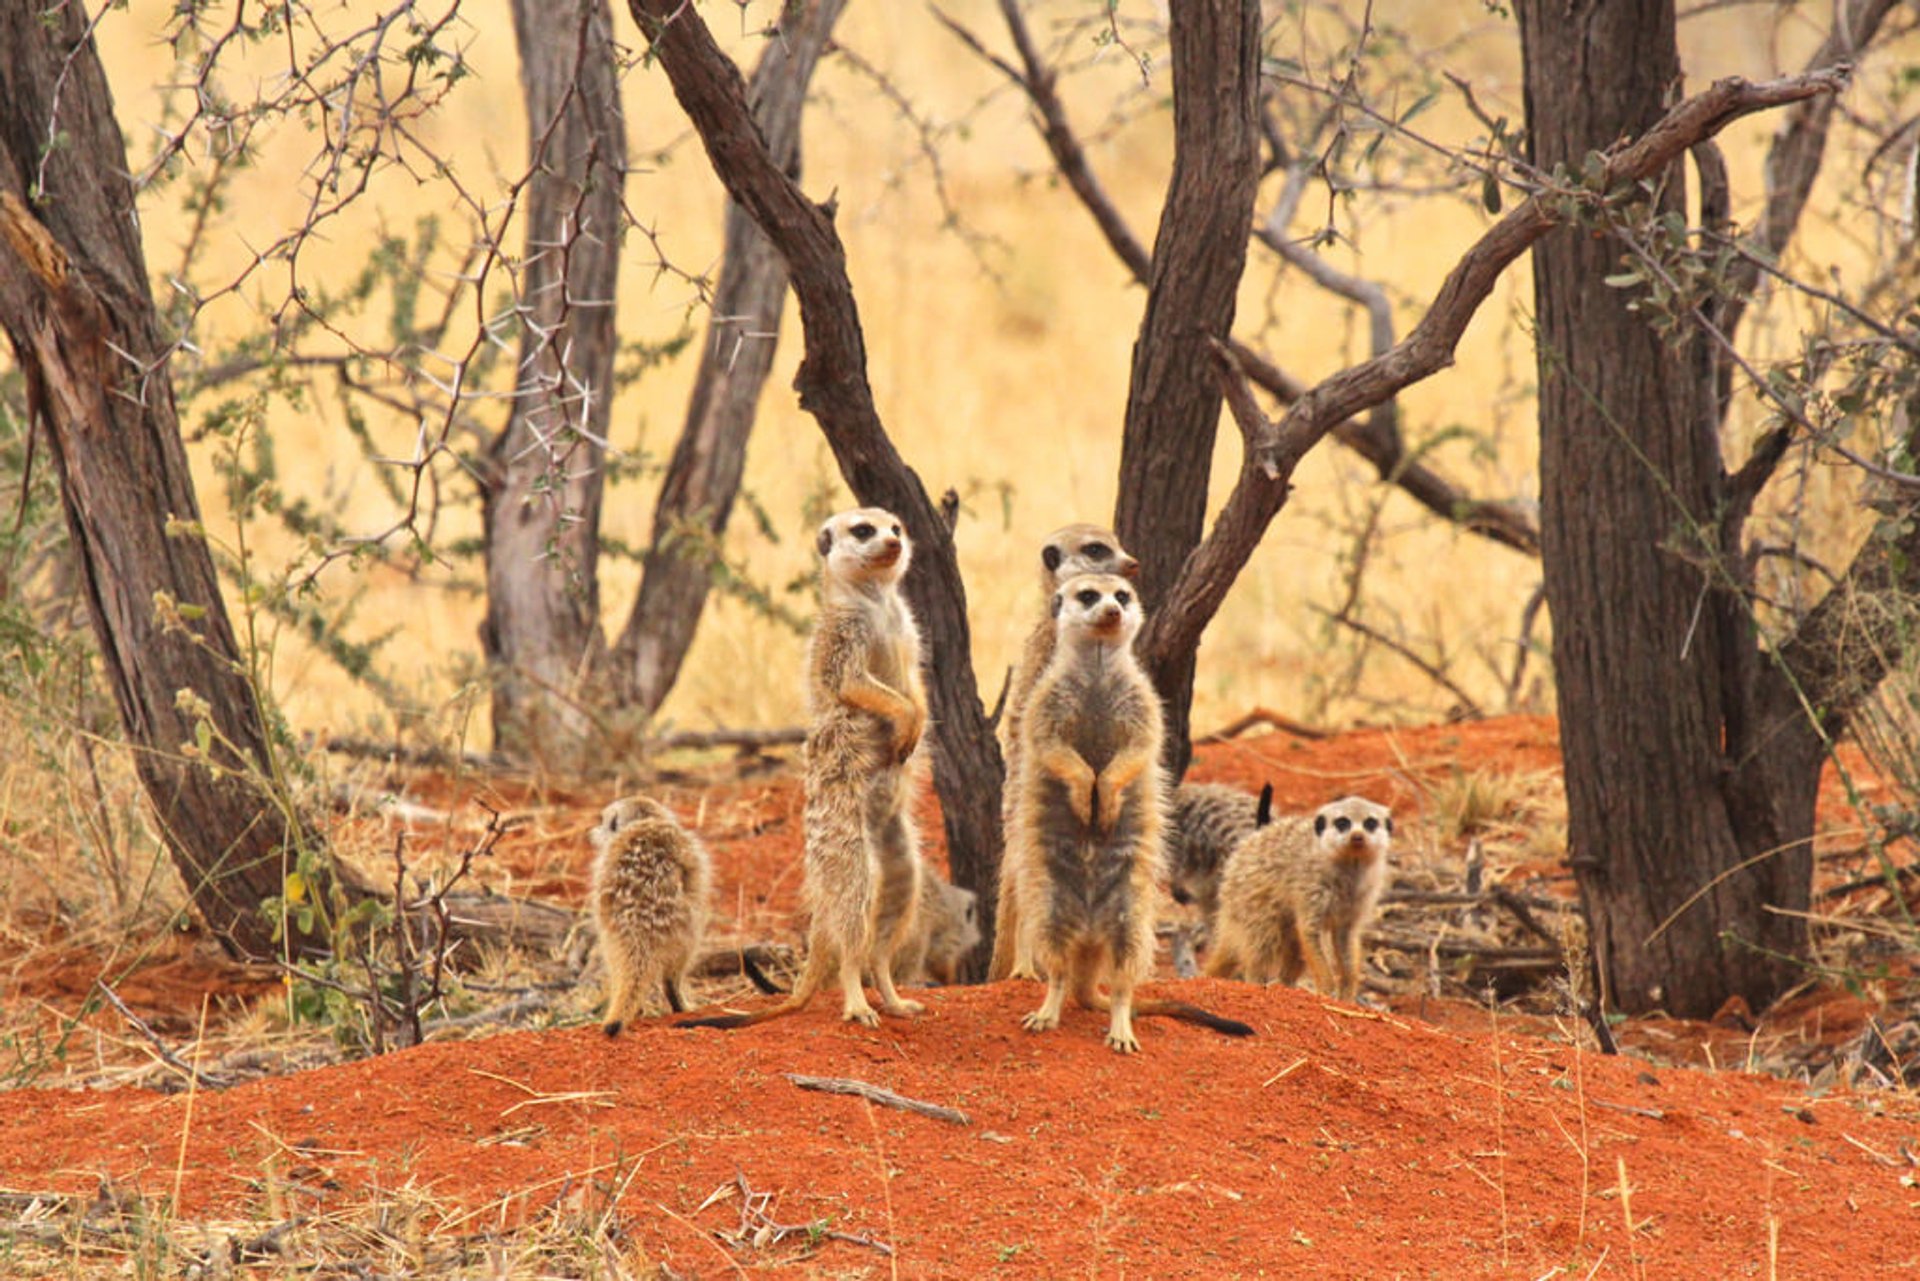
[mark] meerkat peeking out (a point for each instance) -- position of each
(944, 935)
(1084, 848)
(1206, 822)
(866, 713)
(1296, 895)
(1068, 551)
(650, 882)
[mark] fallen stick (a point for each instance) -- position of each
(877, 1094)
(167, 1056)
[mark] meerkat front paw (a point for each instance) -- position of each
(862, 1014)
(1040, 1021)
(1080, 800)
(903, 1008)
(1123, 1042)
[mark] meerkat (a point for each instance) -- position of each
(866, 714)
(947, 931)
(1206, 822)
(1084, 850)
(1296, 894)
(1068, 551)
(650, 882)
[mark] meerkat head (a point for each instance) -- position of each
(623, 814)
(1082, 549)
(1353, 828)
(864, 546)
(1102, 608)
(960, 909)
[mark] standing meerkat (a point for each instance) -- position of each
(650, 882)
(1068, 551)
(1084, 848)
(1296, 894)
(866, 712)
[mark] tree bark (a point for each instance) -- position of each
(833, 387)
(703, 477)
(75, 304)
(1173, 397)
(1680, 836)
(545, 471)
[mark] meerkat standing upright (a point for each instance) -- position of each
(1291, 885)
(650, 882)
(1084, 849)
(1067, 552)
(866, 713)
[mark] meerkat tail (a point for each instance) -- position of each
(810, 981)
(1093, 999)
(757, 976)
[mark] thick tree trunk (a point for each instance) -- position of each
(703, 477)
(833, 386)
(76, 306)
(1653, 659)
(544, 472)
(1173, 399)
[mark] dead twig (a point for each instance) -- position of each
(1269, 718)
(206, 1080)
(877, 1094)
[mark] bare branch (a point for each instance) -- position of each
(1261, 489)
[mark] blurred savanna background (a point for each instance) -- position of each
(999, 327)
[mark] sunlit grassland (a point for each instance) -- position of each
(998, 347)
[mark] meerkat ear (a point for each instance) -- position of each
(1050, 557)
(1058, 599)
(825, 542)
(1263, 814)
(1389, 823)
(1319, 824)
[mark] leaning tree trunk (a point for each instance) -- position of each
(75, 304)
(703, 477)
(544, 473)
(833, 387)
(1653, 668)
(1173, 399)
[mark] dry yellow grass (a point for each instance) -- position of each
(1016, 382)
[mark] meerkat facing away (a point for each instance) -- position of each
(1296, 894)
(866, 713)
(1067, 552)
(650, 882)
(1206, 821)
(944, 935)
(1084, 849)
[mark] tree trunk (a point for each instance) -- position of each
(545, 471)
(1654, 659)
(703, 478)
(1173, 398)
(76, 306)
(967, 770)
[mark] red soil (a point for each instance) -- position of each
(1336, 1142)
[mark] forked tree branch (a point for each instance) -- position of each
(1261, 489)
(1376, 441)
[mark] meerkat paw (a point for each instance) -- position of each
(903, 1008)
(863, 1014)
(1040, 1021)
(1123, 1042)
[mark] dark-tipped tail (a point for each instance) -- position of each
(718, 1020)
(1263, 813)
(1187, 1013)
(757, 976)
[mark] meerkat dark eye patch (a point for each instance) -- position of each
(863, 531)
(1371, 824)
(1342, 825)
(1096, 551)
(1123, 597)
(896, 531)
(1089, 597)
